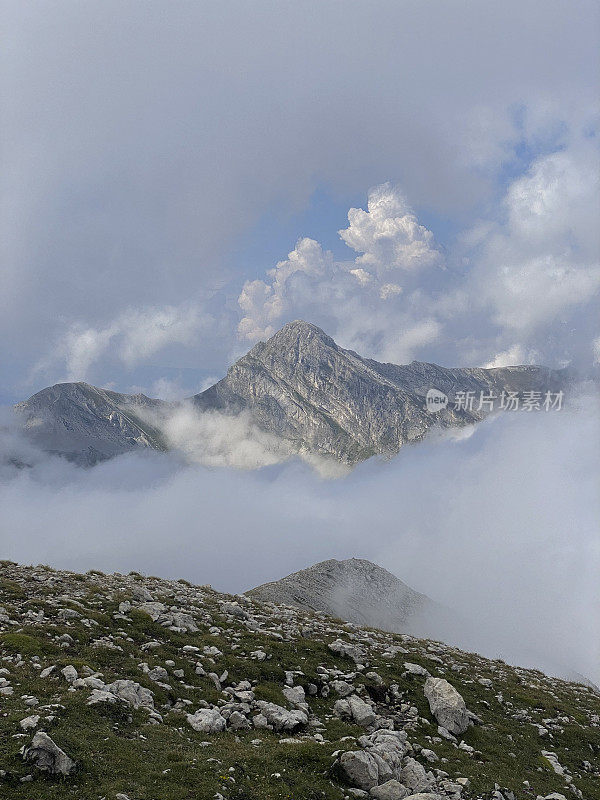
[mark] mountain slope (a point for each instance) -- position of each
(303, 387)
(355, 590)
(300, 386)
(87, 424)
(118, 686)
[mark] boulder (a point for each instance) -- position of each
(413, 776)
(390, 790)
(360, 768)
(416, 669)
(280, 718)
(101, 696)
(69, 673)
(207, 720)
(425, 796)
(29, 723)
(294, 695)
(132, 693)
(447, 705)
(342, 648)
(47, 755)
(355, 709)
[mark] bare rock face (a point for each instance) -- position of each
(324, 400)
(87, 424)
(447, 705)
(47, 756)
(313, 396)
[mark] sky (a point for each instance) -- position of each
(179, 180)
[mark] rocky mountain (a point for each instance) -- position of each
(303, 387)
(300, 386)
(355, 590)
(88, 424)
(126, 687)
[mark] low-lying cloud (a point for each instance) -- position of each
(501, 525)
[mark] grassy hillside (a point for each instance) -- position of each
(196, 650)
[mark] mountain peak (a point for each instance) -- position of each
(354, 589)
(299, 331)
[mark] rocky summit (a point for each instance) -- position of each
(311, 395)
(355, 590)
(125, 687)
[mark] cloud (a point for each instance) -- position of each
(500, 525)
(361, 302)
(513, 355)
(388, 234)
(133, 337)
(217, 440)
(266, 304)
(135, 176)
(518, 286)
(544, 261)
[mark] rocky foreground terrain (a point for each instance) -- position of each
(124, 686)
(302, 389)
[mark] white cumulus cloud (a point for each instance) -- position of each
(388, 234)
(361, 301)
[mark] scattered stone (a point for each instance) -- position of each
(207, 720)
(47, 756)
(447, 705)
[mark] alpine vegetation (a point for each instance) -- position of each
(127, 686)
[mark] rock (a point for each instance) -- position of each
(101, 696)
(390, 790)
(341, 648)
(413, 776)
(158, 674)
(360, 768)
(416, 669)
(238, 722)
(69, 673)
(207, 720)
(132, 693)
(184, 622)
(424, 796)
(356, 709)
(343, 688)
(154, 610)
(447, 705)
(294, 695)
(47, 756)
(280, 718)
(141, 594)
(29, 723)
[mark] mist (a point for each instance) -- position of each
(498, 523)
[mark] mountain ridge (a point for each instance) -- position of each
(300, 386)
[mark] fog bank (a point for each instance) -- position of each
(500, 525)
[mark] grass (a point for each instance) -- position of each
(119, 750)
